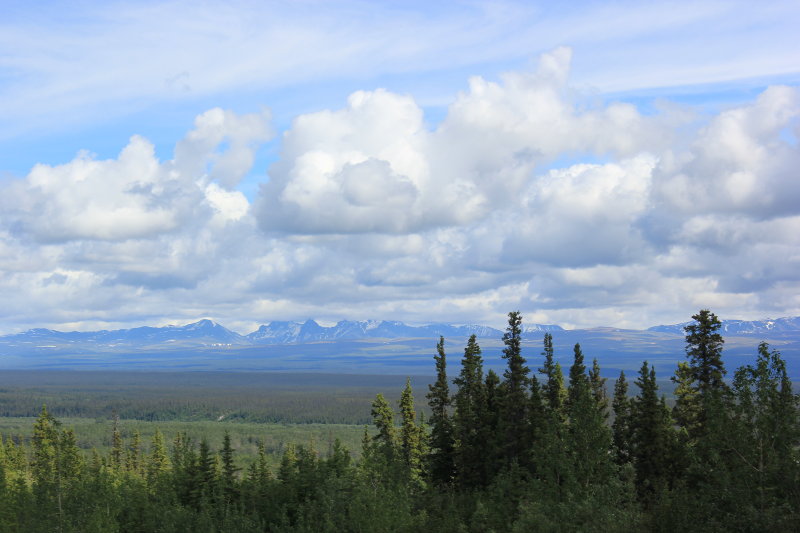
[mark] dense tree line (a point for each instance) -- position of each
(178, 396)
(522, 452)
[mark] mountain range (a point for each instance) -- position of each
(743, 327)
(208, 333)
(372, 347)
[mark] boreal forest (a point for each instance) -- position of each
(538, 448)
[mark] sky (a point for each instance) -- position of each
(589, 164)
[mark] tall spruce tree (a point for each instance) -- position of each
(515, 401)
(621, 427)
(45, 449)
(588, 438)
(206, 475)
(70, 457)
(652, 438)
(537, 420)
(469, 401)
(442, 466)
(184, 469)
(578, 382)
(158, 461)
(411, 437)
(766, 437)
(598, 385)
(383, 418)
(133, 454)
(553, 390)
(490, 439)
(229, 469)
(116, 444)
(686, 411)
(704, 350)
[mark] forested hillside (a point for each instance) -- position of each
(538, 448)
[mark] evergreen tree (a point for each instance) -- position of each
(588, 438)
(687, 401)
(69, 457)
(382, 459)
(116, 445)
(45, 447)
(704, 350)
(158, 461)
(338, 462)
(229, 469)
(307, 480)
(621, 427)
(411, 437)
(470, 401)
(288, 467)
(56, 459)
(578, 382)
(514, 416)
(442, 442)
(652, 438)
(491, 388)
(598, 385)
(383, 418)
(46, 470)
(185, 469)
(553, 389)
(262, 473)
(705, 368)
(537, 420)
(767, 435)
(490, 445)
(133, 454)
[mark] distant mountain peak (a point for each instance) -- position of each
(204, 323)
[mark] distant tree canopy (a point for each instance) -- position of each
(496, 454)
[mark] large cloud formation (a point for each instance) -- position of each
(375, 167)
(527, 195)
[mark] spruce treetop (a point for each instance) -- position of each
(704, 350)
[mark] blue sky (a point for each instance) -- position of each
(603, 163)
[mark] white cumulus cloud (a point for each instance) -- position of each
(375, 167)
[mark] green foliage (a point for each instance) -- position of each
(158, 462)
(589, 437)
(442, 465)
(704, 350)
(513, 420)
(553, 390)
(578, 382)
(653, 442)
(687, 400)
(621, 427)
(116, 445)
(767, 432)
(470, 403)
(133, 459)
(598, 385)
(383, 418)
(412, 438)
(228, 470)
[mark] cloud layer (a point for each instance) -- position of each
(526, 195)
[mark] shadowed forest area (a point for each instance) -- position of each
(538, 448)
